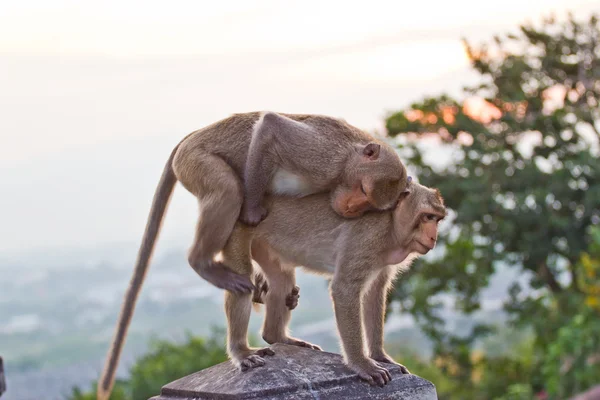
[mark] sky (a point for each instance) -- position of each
(94, 95)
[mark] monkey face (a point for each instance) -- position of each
(367, 195)
(374, 180)
(426, 234)
(350, 202)
(377, 179)
(417, 216)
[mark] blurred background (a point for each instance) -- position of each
(496, 104)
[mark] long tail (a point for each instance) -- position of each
(157, 212)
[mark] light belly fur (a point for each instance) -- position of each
(289, 184)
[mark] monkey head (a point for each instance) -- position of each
(416, 218)
(374, 179)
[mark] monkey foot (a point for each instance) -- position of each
(253, 215)
(291, 301)
(222, 277)
(291, 341)
(388, 360)
(372, 373)
(252, 358)
(262, 287)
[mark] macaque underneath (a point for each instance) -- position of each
(361, 255)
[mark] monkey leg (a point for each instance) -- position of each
(281, 278)
(346, 295)
(238, 306)
(373, 310)
(219, 194)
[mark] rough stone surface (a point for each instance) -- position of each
(294, 373)
(2, 379)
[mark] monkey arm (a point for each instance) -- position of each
(260, 168)
(346, 293)
(275, 139)
(373, 310)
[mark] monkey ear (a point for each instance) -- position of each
(371, 151)
(403, 196)
(406, 190)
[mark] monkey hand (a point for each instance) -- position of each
(384, 358)
(253, 215)
(371, 372)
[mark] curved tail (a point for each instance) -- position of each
(157, 212)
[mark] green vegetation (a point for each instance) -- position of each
(524, 185)
(165, 362)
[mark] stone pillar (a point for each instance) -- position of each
(294, 373)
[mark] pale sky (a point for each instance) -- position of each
(93, 95)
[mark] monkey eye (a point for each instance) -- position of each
(430, 217)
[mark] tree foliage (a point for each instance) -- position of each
(572, 362)
(523, 184)
(164, 363)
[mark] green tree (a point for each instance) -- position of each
(523, 187)
(572, 363)
(165, 362)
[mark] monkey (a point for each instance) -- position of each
(314, 149)
(362, 257)
(306, 154)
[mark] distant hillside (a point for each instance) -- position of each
(57, 320)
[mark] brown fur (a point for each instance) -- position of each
(328, 157)
(210, 162)
(361, 255)
(327, 153)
